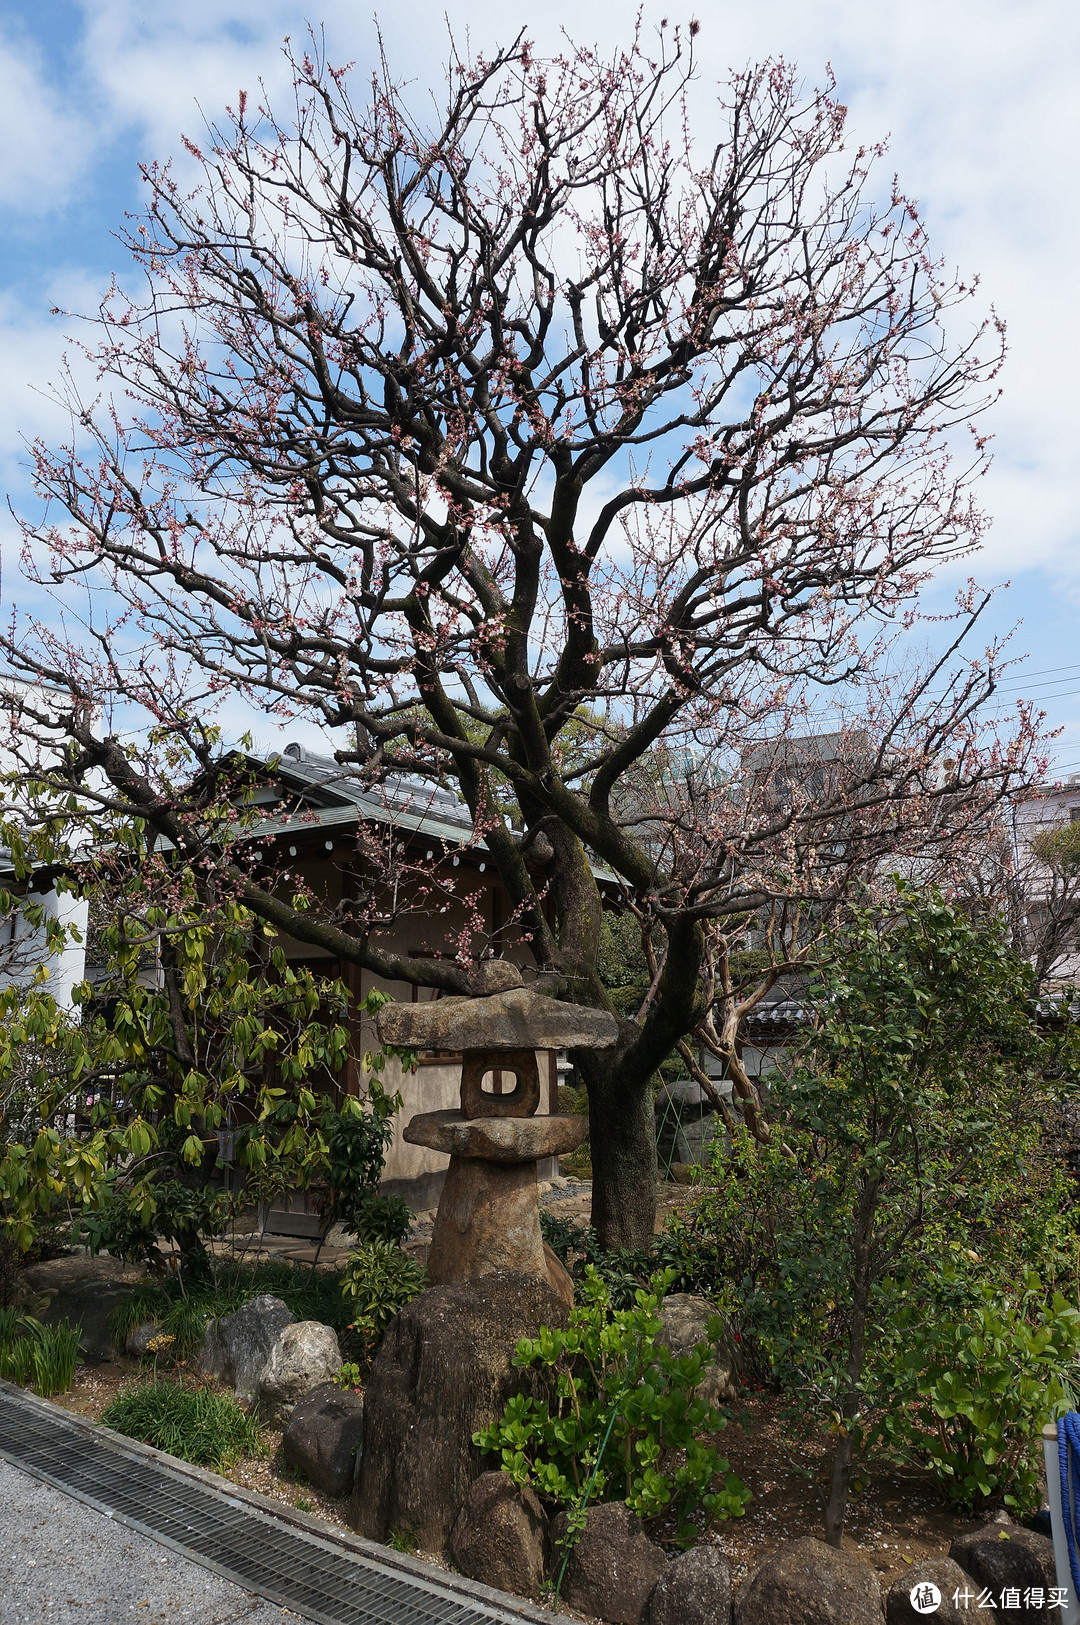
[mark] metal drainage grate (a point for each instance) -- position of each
(284, 1565)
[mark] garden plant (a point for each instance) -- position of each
(625, 1424)
(971, 1388)
(130, 1118)
(39, 1355)
(377, 1281)
(185, 1315)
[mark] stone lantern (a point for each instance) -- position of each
(489, 1215)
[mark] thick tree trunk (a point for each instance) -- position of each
(622, 1130)
(622, 1124)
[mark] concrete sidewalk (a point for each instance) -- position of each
(63, 1563)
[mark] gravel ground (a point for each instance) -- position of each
(65, 1564)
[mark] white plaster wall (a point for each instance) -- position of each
(26, 954)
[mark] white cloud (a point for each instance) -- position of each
(154, 64)
(46, 143)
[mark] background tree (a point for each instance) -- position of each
(911, 1181)
(432, 432)
(1044, 893)
(1028, 874)
(198, 1049)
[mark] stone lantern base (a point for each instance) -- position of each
(489, 1213)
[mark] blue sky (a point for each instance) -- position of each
(978, 97)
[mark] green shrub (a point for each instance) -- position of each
(183, 1319)
(17, 1364)
(50, 1241)
(378, 1281)
(9, 1320)
(149, 1302)
(908, 1136)
(55, 1349)
(381, 1218)
(43, 1356)
(563, 1236)
(624, 1270)
(626, 1422)
(11, 1267)
(357, 1142)
(348, 1377)
(309, 1297)
(973, 1388)
(181, 1213)
(207, 1429)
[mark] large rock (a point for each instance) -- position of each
(516, 1019)
(84, 1291)
(613, 1566)
(444, 1370)
(90, 1306)
(303, 1356)
(1002, 1556)
(500, 1536)
(694, 1589)
(237, 1347)
(324, 1437)
(685, 1319)
(947, 1579)
(139, 1340)
(805, 1582)
(71, 1269)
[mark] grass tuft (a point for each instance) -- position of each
(404, 1539)
(207, 1429)
(43, 1356)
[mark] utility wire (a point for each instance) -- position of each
(1046, 671)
